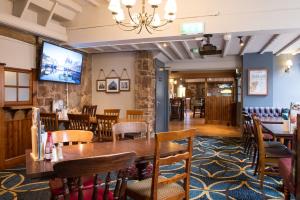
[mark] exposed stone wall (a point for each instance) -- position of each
(79, 95)
(145, 86)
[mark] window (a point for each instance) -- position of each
(17, 86)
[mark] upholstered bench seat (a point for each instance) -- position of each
(266, 111)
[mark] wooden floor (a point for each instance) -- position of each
(202, 128)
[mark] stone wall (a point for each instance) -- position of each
(79, 95)
(145, 86)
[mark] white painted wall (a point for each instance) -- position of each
(116, 61)
(17, 54)
(208, 63)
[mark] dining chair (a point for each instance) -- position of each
(89, 110)
(104, 125)
(134, 115)
(160, 187)
(268, 157)
(76, 169)
(79, 122)
(133, 129)
(50, 121)
(115, 112)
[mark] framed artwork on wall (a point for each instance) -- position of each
(101, 85)
(112, 85)
(258, 82)
(125, 85)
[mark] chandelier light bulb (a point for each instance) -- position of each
(114, 6)
(171, 7)
(119, 17)
(128, 3)
(156, 20)
(154, 3)
(170, 18)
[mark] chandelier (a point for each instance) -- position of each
(137, 21)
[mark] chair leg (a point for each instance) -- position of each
(286, 192)
(254, 156)
(262, 174)
(257, 167)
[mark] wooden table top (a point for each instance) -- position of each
(143, 148)
(271, 120)
(279, 130)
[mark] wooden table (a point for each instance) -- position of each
(279, 130)
(271, 120)
(143, 148)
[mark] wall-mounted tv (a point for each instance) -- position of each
(60, 64)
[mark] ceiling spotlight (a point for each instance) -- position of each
(227, 37)
(165, 44)
(241, 41)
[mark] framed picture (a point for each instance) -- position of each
(101, 85)
(112, 85)
(125, 85)
(258, 82)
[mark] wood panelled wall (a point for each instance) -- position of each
(218, 109)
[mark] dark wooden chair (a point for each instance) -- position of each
(135, 115)
(104, 126)
(268, 156)
(79, 122)
(75, 169)
(50, 121)
(89, 110)
(159, 187)
(115, 112)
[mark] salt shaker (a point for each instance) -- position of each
(59, 151)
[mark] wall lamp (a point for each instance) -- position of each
(289, 64)
(241, 41)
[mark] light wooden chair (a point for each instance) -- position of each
(134, 115)
(79, 122)
(72, 136)
(50, 121)
(89, 110)
(104, 124)
(122, 128)
(159, 187)
(76, 169)
(114, 112)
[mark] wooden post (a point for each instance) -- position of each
(2, 131)
(297, 160)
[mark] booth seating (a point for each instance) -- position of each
(267, 112)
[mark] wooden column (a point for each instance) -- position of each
(2, 131)
(297, 160)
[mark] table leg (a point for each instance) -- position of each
(142, 170)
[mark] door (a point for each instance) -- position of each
(162, 97)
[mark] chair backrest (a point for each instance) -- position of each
(129, 127)
(296, 160)
(259, 137)
(186, 156)
(105, 123)
(115, 112)
(50, 121)
(79, 122)
(134, 115)
(72, 136)
(247, 124)
(89, 110)
(91, 167)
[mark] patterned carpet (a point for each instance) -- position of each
(220, 170)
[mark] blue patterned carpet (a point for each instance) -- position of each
(220, 170)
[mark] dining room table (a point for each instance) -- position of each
(280, 132)
(272, 120)
(144, 149)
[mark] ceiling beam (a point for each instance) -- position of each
(226, 47)
(164, 51)
(99, 49)
(188, 49)
(116, 48)
(46, 17)
(176, 51)
(71, 5)
(19, 7)
(243, 48)
(94, 2)
(270, 41)
(287, 46)
(135, 46)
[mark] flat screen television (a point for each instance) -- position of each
(59, 64)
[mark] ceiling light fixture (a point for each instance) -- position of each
(289, 64)
(241, 41)
(138, 21)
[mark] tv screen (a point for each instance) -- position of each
(60, 64)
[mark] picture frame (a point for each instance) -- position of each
(101, 85)
(113, 85)
(125, 85)
(258, 82)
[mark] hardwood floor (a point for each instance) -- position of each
(202, 128)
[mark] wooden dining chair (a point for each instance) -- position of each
(79, 122)
(104, 126)
(133, 129)
(114, 112)
(76, 169)
(268, 157)
(159, 187)
(50, 121)
(135, 115)
(89, 110)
